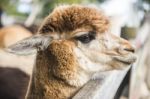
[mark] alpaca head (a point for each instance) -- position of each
(79, 40)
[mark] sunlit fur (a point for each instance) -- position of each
(67, 64)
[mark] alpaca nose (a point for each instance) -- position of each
(127, 46)
(130, 49)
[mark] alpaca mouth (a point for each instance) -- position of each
(124, 62)
(127, 59)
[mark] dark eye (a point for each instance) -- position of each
(86, 38)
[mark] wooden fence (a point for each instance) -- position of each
(103, 87)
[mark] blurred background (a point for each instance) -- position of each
(19, 19)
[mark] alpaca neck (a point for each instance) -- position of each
(44, 85)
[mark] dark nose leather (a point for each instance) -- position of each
(130, 49)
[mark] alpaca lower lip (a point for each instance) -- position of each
(126, 60)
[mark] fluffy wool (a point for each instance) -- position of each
(73, 43)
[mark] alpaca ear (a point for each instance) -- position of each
(30, 45)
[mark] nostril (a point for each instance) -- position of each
(130, 50)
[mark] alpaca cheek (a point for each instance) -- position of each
(65, 66)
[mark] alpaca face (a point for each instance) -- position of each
(94, 51)
(87, 31)
(104, 51)
(79, 39)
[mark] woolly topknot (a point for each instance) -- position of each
(69, 18)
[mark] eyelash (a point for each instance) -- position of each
(86, 38)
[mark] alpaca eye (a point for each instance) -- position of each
(86, 38)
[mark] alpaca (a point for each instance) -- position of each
(72, 44)
(13, 83)
(11, 34)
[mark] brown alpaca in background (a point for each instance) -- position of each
(72, 44)
(11, 34)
